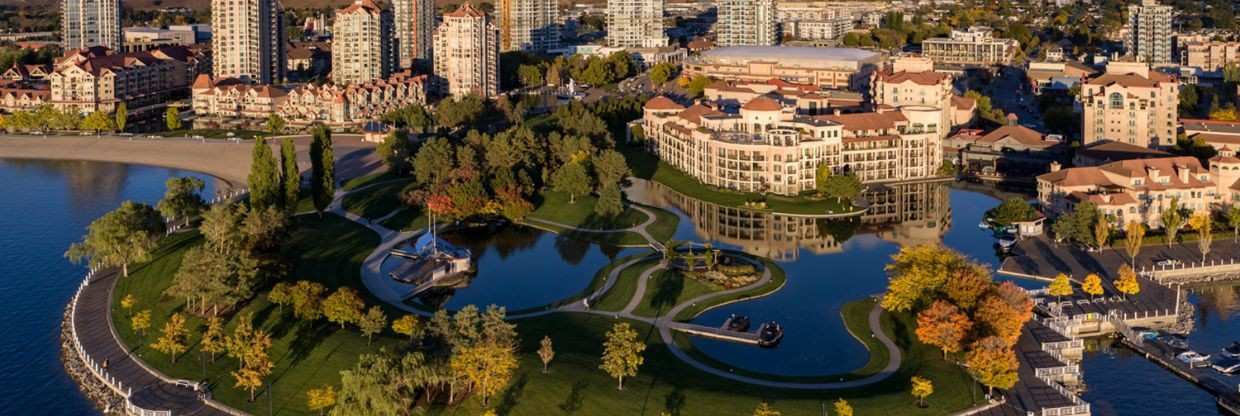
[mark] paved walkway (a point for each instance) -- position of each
(93, 324)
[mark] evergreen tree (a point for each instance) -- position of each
(290, 177)
(264, 179)
(322, 168)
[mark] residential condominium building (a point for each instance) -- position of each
(1129, 103)
(415, 23)
(1210, 56)
(975, 46)
(528, 25)
(362, 48)
(1141, 189)
(89, 80)
(746, 23)
(87, 23)
(232, 103)
(838, 68)
(466, 54)
(832, 29)
(769, 145)
(248, 40)
(1149, 32)
(635, 24)
(912, 81)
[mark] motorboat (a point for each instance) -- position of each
(1227, 366)
(1174, 341)
(737, 323)
(769, 334)
(1194, 359)
(1232, 351)
(983, 224)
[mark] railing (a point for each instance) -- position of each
(1063, 345)
(1159, 273)
(1056, 371)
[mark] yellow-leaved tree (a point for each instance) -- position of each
(128, 303)
(141, 322)
(545, 352)
(842, 408)
(1126, 282)
(172, 341)
(921, 389)
(1134, 236)
(213, 339)
(1060, 286)
(407, 325)
(321, 399)
(487, 366)
(622, 353)
(1092, 285)
(993, 363)
(1204, 226)
(765, 409)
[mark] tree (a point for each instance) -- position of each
(343, 307)
(290, 174)
(395, 152)
(213, 339)
(661, 73)
(1233, 221)
(172, 342)
(922, 388)
(993, 363)
(545, 352)
(409, 326)
(1172, 220)
(1225, 113)
(181, 199)
(459, 111)
(307, 298)
(843, 187)
(918, 271)
(366, 390)
(172, 119)
(842, 408)
(140, 322)
(821, 175)
(128, 303)
(530, 75)
(622, 353)
(1060, 286)
(487, 366)
(122, 116)
(1204, 225)
(1010, 211)
(697, 85)
(321, 398)
(372, 322)
(433, 162)
(1092, 285)
(1001, 318)
(275, 124)
(765, 409)
(1135, 236)
(125, 235)
(610, 202)
(264, 179)
(255, 361)
(609, 168)
(96, 121)
(965, 286)
(281, 294)
(322, 168)
(1127, 282)
(572, 180)
(1102, 232)
(249, 379)
(943, 325)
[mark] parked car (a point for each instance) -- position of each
(1194, 359)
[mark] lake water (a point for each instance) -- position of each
(47, 206)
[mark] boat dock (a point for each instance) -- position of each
(750, 338)
(1228, 394)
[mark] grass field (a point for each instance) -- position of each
(668, 288)
(778, 277)
(555, 207)
(626, 285)
(647, 166)
(378, 200)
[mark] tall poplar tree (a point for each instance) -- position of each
(322, 168)
(264, 179)
(290, 177)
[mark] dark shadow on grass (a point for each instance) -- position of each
(576, 396)
(671, 285)
(674, 402)
(511, 396)
(309, 336)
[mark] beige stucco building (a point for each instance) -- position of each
(88, 80)
(975, 46)
(248, 40)
(912, 81)
(746, 23)
(1129, 103)
(1141, 189)
(635, 24)
(230, 102)
(1210, 56)
(466, 54)
(838, 68)
(528, 25)
(362, 48)
(90, 23)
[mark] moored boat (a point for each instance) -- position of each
(1232, 351)
(769, 334)
(738, 323)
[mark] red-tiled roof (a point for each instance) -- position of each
(466, 10)
(1022, 134)
(867, 121)
(366, 5)
(762, 103)
(662, 103)
(919, 78)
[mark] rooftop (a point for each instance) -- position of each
(778, 53)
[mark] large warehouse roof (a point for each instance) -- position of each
(781, 53)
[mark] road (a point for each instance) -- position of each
(1009, 92)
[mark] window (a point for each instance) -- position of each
(1117, 100)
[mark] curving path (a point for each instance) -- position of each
(377, 284)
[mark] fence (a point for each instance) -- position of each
(1214, 267)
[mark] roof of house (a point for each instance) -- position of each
(1215, 138)
(1131, 80)
(1022, 134)
(919, 78)
(1108, 150)
(662, 103)
(366, 5)
(1135, 168)
(466, 10)
(963, 103)
(867, 121)
(696, 112)
(762, 103)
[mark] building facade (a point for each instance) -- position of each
(770, 145)
(823, 30)
(912, 81)
(746, 23)
(466, 54)
(1210, 56)
(635, 24)
(248, 40)
(975, 46)
(837, 68)
(415, 24)
(232, 103)
(362, 43)
(1129, 103)
(88, 23)
(89, 80)
(528, 25)
(1149, 32)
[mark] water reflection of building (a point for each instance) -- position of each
(904, 214)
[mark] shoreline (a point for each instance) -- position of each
(105, 400)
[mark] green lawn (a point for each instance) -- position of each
(668, 288)
(372, 178)
(408, 219)
(214, 133)
(647, 166)
(555, 207)
(306, 355)
(626, 285)
(664, 226)
(778, 277)
(378, 200)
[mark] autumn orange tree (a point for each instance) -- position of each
(999, 318)
(967, 285)
(918, 272)
(943, 325)
(1017, 297)
(1092, 285)
(1126, 282)
(993, 363)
